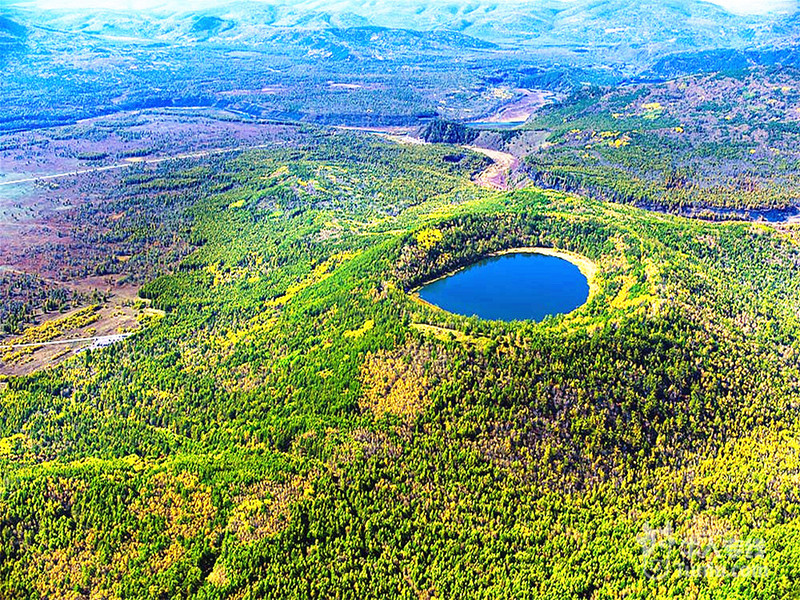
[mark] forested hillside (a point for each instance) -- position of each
(221, 374)
(714, 145)
(299, 425)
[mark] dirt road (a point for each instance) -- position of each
(132, 162)
(495, 176)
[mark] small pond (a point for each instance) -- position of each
(517, 286)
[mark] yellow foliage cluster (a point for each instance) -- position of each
(19, 356)
(50, 568)
(614, 139)
(259, 324)
(252, 270)
(395, 383)
(320, 273)
(182, 501)
(652, 110)
(646, 297)
(50, 330)
(279, 172)
(59, 565)
(263, 509)
(223, 274)
(368, 324)
(704, 529)
(625, 299)
(310, 185)
(149, 315)
(620, 142)
(428, 238)
(219, 575)
(9, 445)
(185, 506)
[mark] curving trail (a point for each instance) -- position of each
(136, 161)
(495, 176)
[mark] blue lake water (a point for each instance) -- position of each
(494, 125)
(511, 287)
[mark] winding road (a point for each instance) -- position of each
(134, 162)
(495, 176)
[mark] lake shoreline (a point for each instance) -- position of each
(586, 266)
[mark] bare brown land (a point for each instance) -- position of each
(57, 190)
(497, 175)
(61, 336)
(526, 103)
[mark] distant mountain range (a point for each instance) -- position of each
(456, 59)
(623, 31)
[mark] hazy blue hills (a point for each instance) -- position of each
(450, 54)
(628, 29)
